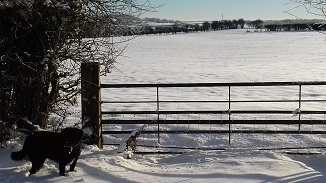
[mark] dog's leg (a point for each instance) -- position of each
(73, 164)
(36, 165)
(62, 168)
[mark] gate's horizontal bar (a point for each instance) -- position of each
(213, 112)
(158, 152)
(213, 84)
(217, 122)
(209, 101)
(218, 132)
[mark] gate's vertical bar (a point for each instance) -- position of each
(300, 92)
(158, 114)
(91, 102)
(229, 114)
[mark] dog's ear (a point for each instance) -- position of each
(72, 136)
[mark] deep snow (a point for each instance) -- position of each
(196, 166)
(223, 56)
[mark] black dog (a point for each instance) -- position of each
(63, 148)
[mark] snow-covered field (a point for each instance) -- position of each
(223, 56)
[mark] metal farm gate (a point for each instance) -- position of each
(156, 111)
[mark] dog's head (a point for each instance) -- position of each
(72, 136)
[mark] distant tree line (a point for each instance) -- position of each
(177, 26)
(296, 27)
(148, 26)
(284, 25)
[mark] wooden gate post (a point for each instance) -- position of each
(91, 102)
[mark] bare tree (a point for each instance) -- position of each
(315, 7)
(241, 22)
(206, 26)
(44, 42)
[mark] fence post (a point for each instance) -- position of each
(91, 102)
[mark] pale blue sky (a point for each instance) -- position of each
(202, 10)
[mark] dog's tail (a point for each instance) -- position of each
(18, 156)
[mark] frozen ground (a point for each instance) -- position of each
(223, 56)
